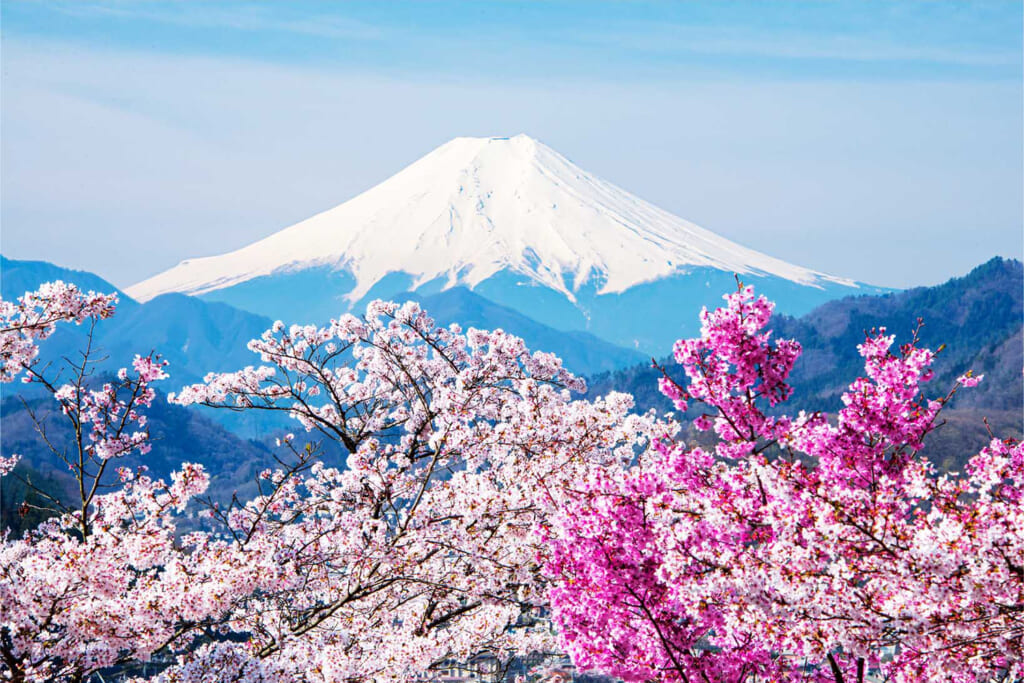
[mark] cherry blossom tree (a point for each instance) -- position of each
(799, 548)
(89, 587)
(420, 550)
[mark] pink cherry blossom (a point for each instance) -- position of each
(421, 549)
(34, 316)
(802, 548)
(970, 380)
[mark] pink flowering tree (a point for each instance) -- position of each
(420, 550)
(107, 421)
(799, 548)
(81, 591)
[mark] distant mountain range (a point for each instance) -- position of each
(506, 233)
(978, 317)
(199, 336)
(516, 223)
(195, 336)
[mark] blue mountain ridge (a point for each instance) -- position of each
(199, 336)
(648, 317)
(196, 337)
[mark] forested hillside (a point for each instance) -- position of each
(178, 435)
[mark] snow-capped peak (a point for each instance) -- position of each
(477, 206)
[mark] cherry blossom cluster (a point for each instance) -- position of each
(8, 463)
(422, 548)
(34, 316)
(800, 548)
(106, 417)
(73, 605)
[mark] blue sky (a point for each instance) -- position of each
(880, 141)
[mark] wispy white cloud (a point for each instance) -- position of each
(682, 39)
(244, 16)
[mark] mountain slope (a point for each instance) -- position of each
(18, 277)
(197, 337)
(978, 317)
(178, 435)
(511, 219)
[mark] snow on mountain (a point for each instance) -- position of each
(475, 207)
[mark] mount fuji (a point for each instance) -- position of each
(519, 225)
